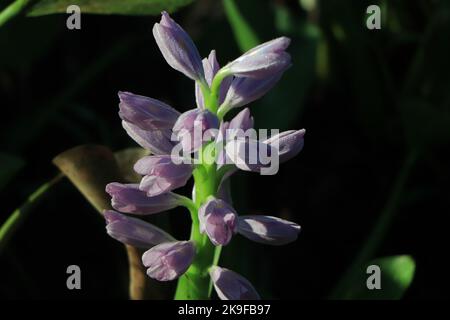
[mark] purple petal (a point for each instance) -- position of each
(162, 174)
(133, 231)
(191, 126)
(263, 61)
(146, 113)
(178, 48)
(231, 286)
(129, 199)
(240, 126)
(243, 91)
(268, 230)
(220, 140)
(288, 143)
(147, 164)
(168, 261)
(156, 141)
(211, 67)
(243, 120)
(249, 154)
(218, 221)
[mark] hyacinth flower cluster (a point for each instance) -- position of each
(219, 147)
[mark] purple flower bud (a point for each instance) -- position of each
(243, 120)
(238, 126)
(231, 286)
(178, 48)
(191, 126)
(157, 141)
(211, 66)
(250, 155)
(290, 143)
(218, 220)
(129, 199)
(220, 144)
(228, 131)
(242, 91)
(146, 113)
(133, 231)
(162, 174)
(263, 61)
(167, 261)
(268, 230)
(236, 129)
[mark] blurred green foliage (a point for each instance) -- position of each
(396, 275)
(128, 7)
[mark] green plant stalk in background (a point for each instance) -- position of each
(195, 284)
(19, 215)
(377, 235)
(244, 34)
(13, 10)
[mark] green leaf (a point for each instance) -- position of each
(10, 165)
(244, 34)
(397, 274)
(128, 7)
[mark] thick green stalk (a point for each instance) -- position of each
(195, 283)
(12, 10)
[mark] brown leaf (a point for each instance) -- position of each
(90, 168)
(126, 159)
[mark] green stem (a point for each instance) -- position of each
(204, 88)
(18, 216)
(13, 10)
(222, 111)
(195, 283)
(213, 100)
(378, 233)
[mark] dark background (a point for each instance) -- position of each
(367, 98)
